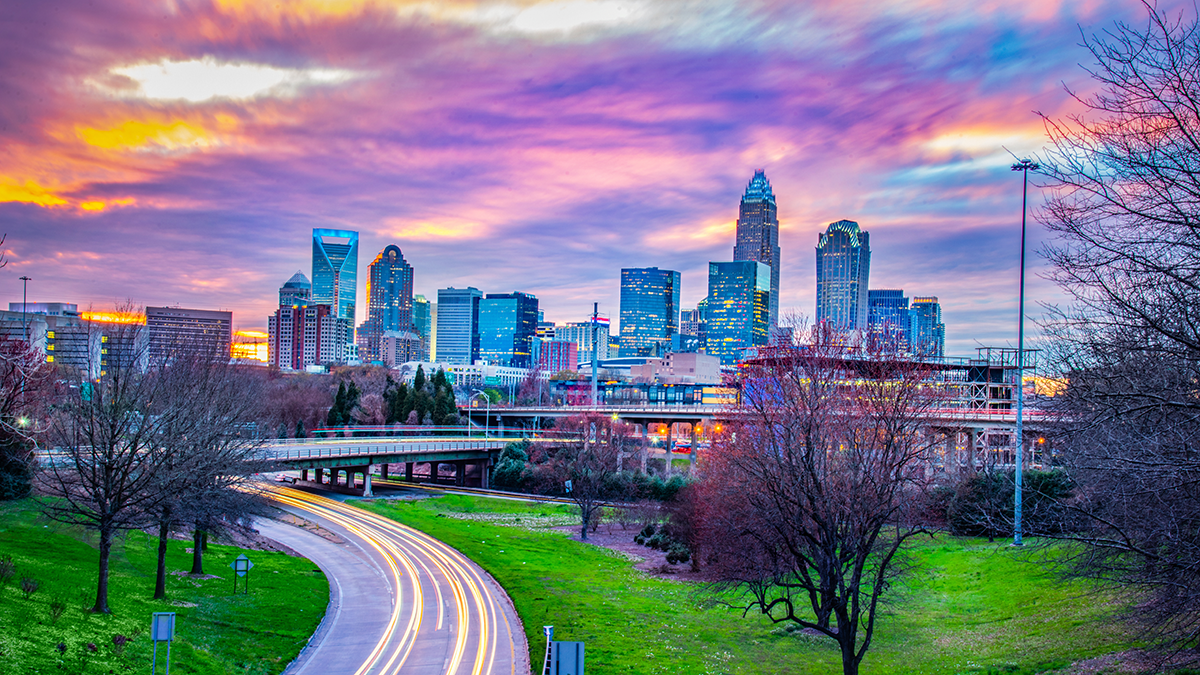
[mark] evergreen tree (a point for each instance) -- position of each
(339, 405)
(419, 379)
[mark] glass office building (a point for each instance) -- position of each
(335, 271)
(739, 302)
(458, 326)
(649, 310)
(843, 270)
(758, 233)
(507, 325)
(887, 317)
(389, 301)
(926, 332)
(423, 322)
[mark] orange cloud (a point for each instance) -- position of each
(170, 135)
(29, 192)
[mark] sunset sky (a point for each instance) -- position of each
(179, 153)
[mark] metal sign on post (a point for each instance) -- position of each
(241, 566)
(566, 658)
(162, 629)
(568, 484)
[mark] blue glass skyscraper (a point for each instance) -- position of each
(335, 271)
(507, 325)
(649, 310)
(389, 301)
(758, 233)
(739, 305)
(926, 332)
(458, 325)
(843, 270)
(888, 318)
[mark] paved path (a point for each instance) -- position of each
(400, 601)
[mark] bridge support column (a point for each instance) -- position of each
(952, 453)
(383, 471)
(320, 476)
(408, 471)
(483, 474)
(460, 473)
(692, 453)
(669, 463)
(367, 481)
(972, 435)
(304, 474)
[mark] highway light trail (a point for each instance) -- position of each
(464, 624)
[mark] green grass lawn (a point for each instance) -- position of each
(972, 607)
(216, 631)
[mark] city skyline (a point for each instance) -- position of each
(181, 166)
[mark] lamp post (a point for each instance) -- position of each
(25, 306)
(487, 419)
(1024, 166)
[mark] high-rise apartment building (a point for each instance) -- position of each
(175, 332)
(458, 326)
(887, 318)
(389, 301)
(581, 332)
(739, 302)
(507, 325)
(423, 323)
(300, 336)
(843, 271)
(926, 332)
(295, 291)
(758, 233)
(556, 356)
(335, 271)
(649, 310)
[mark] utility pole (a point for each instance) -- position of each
(595, 352)
(1024, 166)
(25, 306)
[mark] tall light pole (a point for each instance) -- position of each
(595, 353)
(1024, 166)
(24, 306)
(487, 420)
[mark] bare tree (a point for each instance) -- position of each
(584, 468)
(25, 383)
(1125, 212)
(817, 485)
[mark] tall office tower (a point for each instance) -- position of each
(843, 270)
(423, 322)
(176, 332)
(295, 291)
(558, 355)
(580, 332)
(758, 233)
(299, 336)
(739, 304)
(507, 325)
(389, 301)
(887, 318)
(335, 271)
(649, 310)
(926, 332)
(458, 325)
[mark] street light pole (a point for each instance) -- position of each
(25, 306)
(1024, 166)
(487, 419)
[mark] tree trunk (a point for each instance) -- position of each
(101, 606)
(197, 551)
(849, 660)
(164, 531)
(586, 514)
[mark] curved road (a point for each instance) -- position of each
(400, 600)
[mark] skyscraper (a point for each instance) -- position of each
(739, 301)
(843, 270)
(926, 332)
(389, 301)
(423, 322)
(335, 271)
(295, 291)
(649, 310)
(887, 318)
(507, 325)
(758, 233)
(176, 332)
(580, 332)
(458, 325)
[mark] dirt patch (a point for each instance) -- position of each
(1129, 661)
(645, 559)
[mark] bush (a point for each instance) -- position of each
(510, 468)
(678, 554)
(119, 642)
(57, 607)
(29, 586)
(8, 569)
(982, 505)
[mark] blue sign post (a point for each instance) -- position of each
(241, 566)
(162, 629)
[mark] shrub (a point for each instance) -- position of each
(29, 586)
(8, 569)
(57, 607)
(678, 554)
(647, 531)
(119, 641)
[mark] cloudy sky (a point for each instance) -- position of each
(180, 153)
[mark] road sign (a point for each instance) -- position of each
(162, 629)
(241, 565)
(568, 483)
(566, 658)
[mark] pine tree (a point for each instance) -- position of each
(419, 379)
(339, 405)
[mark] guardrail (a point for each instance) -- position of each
(326, 450)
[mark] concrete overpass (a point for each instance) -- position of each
(329, 459)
